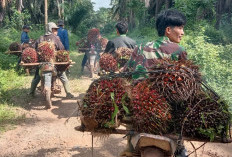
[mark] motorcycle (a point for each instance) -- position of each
(48, 73)
(49, 86)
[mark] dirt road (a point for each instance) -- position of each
(45, 133)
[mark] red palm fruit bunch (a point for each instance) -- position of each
(62, 56)
(105, 103)
(83, 43)
(29, 55)
(123, 55)
(177, 81)
(93, 35)
(151, 112)
(104, 42)
(108, 63)
(204, 117)
(46, 51)
(15, 46)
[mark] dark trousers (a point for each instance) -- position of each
(84, 60)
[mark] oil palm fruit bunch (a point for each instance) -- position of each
(204, 117)
(123, 55)
(150, 110)
(93, 35)
(62, 56)
(108, 63)
(177, 81)
(105, 103)
(15, 46)
(46, 51)
(83, 43)
(104, 42)
(29, 55)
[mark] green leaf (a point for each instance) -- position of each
(123, 104)
(112, 122)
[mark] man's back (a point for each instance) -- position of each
(63, 34)
(121, 41)
(51, 38)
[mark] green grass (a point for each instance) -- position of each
(9, 116)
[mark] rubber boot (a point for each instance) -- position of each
(128, 151)
(129, 148)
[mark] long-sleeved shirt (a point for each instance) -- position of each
(63, 34)
(24, 37)
(121, 41)
(144, 57)
(51, 38)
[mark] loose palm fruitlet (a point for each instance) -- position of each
(105, 103)
(123, 55)
(15, 46)
(46, 51)
(29, 55)
(93, 35)
(150, 112)
(108, 63)
(204, 117)
(177, 81)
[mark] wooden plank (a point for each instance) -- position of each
(36, 64)
(171, 136)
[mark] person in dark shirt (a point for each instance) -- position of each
(122, 40)
(24, 36)
(63, 34)
(51, 36)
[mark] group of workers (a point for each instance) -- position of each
(58, 36)
(170, 27)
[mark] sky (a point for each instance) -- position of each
(101, 3)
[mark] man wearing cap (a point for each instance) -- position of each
(51, 36)
(63, 34)
(24, 36)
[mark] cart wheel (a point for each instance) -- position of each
(48, 98)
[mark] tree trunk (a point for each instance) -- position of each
(168, 4)
(159, 4)
(58, 7)
(20, 5)
(62, 9)
(45, 13)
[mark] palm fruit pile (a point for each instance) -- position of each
(123, 55)
(15, 46)
(62, 56)
(105, 103)
(104, 42)
(150, 110)
(83, 43)
(29, 55)
(108, 63)
(204, 117)
(46, 51)
(93, 35)
(177, 81)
